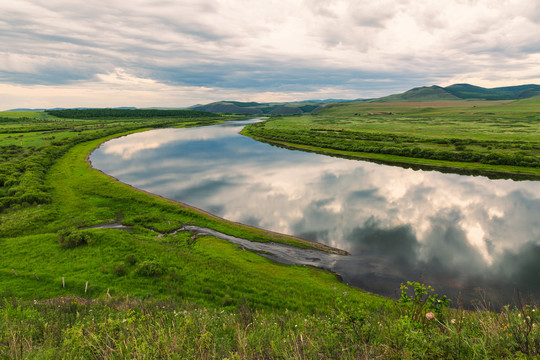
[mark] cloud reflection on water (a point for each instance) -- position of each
(398, 224)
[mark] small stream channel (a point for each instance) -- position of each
(282, 253)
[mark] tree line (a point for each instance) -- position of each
(126, 113)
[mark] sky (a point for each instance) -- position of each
(178, 53)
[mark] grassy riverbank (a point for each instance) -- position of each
(482, 136)
(147, 293)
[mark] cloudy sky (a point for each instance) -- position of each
(176, 53)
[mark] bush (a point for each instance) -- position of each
(130, 259)
(421, 305)
(150, 268)
(119, 269)
(70, 238)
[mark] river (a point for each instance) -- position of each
(461, 234)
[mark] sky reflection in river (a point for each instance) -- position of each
(456, 232)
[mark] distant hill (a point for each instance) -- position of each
(255, 108)
(464, 92)
(425, 93)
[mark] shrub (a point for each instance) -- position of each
(421, 304)
(119, 269)
(130, 259)
(150, 268)
(70, 238)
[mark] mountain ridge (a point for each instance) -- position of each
(455, 92)
(463, 91)
(268, 108)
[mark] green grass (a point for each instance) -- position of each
(497, 136)
(78, 196)
(24, 115)
(119, 328)
(146, 293)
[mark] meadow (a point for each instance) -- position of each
(482, 136)
(70, 290)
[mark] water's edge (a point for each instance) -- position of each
(283, 253)
(316, 246)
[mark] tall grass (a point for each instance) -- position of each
(122, 328)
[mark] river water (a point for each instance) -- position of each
(461, 234)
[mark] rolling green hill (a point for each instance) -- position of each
(463, 92)
(425, 93)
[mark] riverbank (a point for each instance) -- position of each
(461, 168)
(485, 138)
(259, 235)
(82, 196)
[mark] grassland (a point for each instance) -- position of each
(71, 292)
(490, 137)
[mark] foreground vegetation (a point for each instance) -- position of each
(70, 290)
(125, 328)
(484, 136)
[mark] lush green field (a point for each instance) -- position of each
(491, 136)
(71, 292)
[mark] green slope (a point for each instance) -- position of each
(463, 92)
(425, 93)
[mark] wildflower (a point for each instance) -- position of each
(430, 316)
(453, 321)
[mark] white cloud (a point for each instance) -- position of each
(301, 45)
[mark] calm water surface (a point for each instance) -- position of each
(457, 233)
